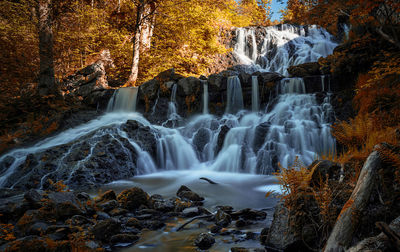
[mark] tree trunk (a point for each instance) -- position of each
(346, 224)
(147, 26)
(136, 48)
(46, 75)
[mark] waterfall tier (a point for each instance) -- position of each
(275, 48)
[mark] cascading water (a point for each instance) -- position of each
(239, 141)
(255, 103)
(283, 46)
(234, 101)
(123, 99)
(205, 96)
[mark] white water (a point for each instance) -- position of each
(123, 99)
(234, 102)
(205, 96)
(255, 103)
(283, 46)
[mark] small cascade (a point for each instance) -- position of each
(283, 46)
(172, 111)
(234, 95)
(205, 96)
(323, 83)
(123, 99)
(291, 86)
(255, 103)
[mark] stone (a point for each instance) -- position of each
(222, 219)
(118, 212)
(105, 229)
(260, 134)
(66, 204)
(186, 194)
(153, 224)
(158, 203)
(215, 229)
(190, 85)
(77, 220)
(106, 196)
(102, 215)
(204, 241)
(132, 199)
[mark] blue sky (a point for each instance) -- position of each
(276, 7)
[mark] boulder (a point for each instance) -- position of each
(133, 198)
(65, 204)
(324, 169)
(142, 135)
(190, 86)
(106, 196)
(186, 194)
(158, 203)
(281, 234)
(204, 241)
(260, 134)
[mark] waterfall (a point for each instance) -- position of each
(205, 96)
(255, 104)
(234, 95)
(123, 99)
(283, 46)
(294, 124)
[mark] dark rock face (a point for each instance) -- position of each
(260, 134)
(204, 241)
(94, 159)
(306, 69)
(221, 138)
(90, 84)
(201, 138)
(324, 169)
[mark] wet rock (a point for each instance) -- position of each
(226, 209)
(133, 222)
(108, 205)
(66, 204)
(106, 196)
(240, 249)
(204, 241)
(201, 138)
(242, 223)
(186, 194)
(158, 203)
(142, 135)
(124, 238)
(105, 229)
(281, 235)
(221, 138)
(13, 207)
(222, 219)
(260, 134)
(190, 85)
(132, 199)
(35, 244)
(29, 221)
(92, 245)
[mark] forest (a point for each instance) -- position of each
(184, 125)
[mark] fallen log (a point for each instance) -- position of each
(393, 237)
(209, 181)
(193, 219)
(347, 222)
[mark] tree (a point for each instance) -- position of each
(143, 31)
(46, 75)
